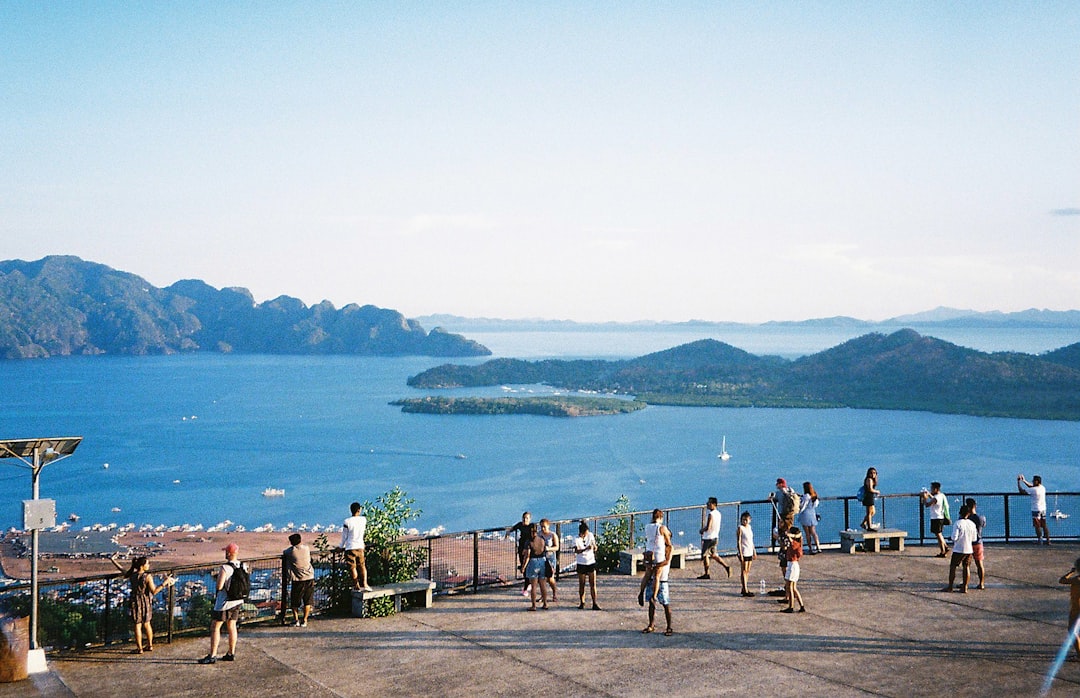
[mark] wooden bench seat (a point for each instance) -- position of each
(871, 540)
(630, 559)
(418, 592)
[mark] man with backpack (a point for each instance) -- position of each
(787, 503)
(233, 586)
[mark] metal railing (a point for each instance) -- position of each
(81, 612)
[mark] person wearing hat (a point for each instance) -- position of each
(783, 499)
(225, 611)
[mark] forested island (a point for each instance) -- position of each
(548, 406)
(900, 371)
(64, 306)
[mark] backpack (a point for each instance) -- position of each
(794, 502)
(861, 494)
(239, 584)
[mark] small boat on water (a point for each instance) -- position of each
(1057, 513)
(273, 492)
(724, 455)
(73, 518)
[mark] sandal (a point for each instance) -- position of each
(669, 632)
(647, 630)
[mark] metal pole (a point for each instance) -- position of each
(35, 471)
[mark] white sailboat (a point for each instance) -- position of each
(724, 455)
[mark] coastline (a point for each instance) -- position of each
(173, 549)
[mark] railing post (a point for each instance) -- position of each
(284, 590)
(170, 599)
(630, 543)
(430, 574)
(922, 521)
(108, 608)
(1007, 524)
(847, 515)
(558, 549)
(476, 561)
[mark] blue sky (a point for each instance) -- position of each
(590, 161)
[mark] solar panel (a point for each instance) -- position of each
(24, 448)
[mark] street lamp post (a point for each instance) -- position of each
(35, 454)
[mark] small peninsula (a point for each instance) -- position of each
(548, 406)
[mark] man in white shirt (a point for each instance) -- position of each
(226, 611)
(710, 535)
(935, 500)
(1037, 492)
(964, 534)
(352, 542)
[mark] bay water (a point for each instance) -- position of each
(197, 438)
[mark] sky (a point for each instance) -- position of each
(592, 161)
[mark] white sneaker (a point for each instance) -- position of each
(304, 624)
(296, 624)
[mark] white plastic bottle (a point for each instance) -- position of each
(762, 586)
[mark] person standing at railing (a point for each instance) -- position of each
(226, 611)
(301, 575)
(352, 542)
(533, 569)
(141, 599)
(868, 495)
(585, 549)
(1037, 492)
(551, 548)
(523, 541)
(656, 576)
(939, 516)
(808, 518)
(744, 545)
(710, 537)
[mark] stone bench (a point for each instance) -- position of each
(417, 591)
(630, 559)
(871, 540)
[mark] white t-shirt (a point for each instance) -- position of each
(352, 532)
(1038, 498)
(654, 541)
(964, 533)
(746, 541)
(937, 507)
(712, 526)
(587, 556)
(221, 599)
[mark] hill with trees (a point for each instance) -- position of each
(903, 370)
(63, 306)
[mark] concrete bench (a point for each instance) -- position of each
(418, 592)
(630, 559)
(871, 540)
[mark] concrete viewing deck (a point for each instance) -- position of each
(877, 624)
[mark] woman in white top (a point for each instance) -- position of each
(744, 546)
(808, 518)
(585, 547)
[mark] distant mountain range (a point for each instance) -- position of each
(62, 306)
(939, 317)
(903, 371)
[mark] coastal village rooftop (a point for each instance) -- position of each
(876, 624)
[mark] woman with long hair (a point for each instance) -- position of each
(869, 493)
(141, 600)
(808, 518)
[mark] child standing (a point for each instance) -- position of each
(791, 574)
(744, 545)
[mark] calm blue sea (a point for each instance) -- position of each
(227, 427)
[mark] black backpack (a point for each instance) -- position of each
(239, 583)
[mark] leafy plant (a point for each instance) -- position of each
(387, 557)
(614, 536)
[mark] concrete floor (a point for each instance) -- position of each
(876, 624)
